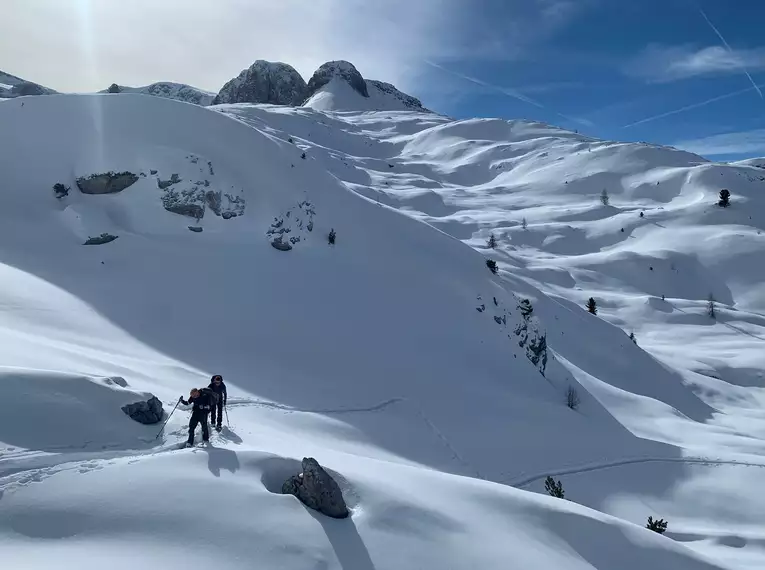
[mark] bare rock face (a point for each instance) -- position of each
(265, 82)
(341, 69)
(106, 183)
(317, 490)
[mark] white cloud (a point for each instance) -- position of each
(662, 64)
(736, 143)
(87, 44)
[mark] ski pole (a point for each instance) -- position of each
(225, 409)
(168, 419)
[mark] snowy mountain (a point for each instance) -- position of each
(12, 86)
(168, 90)
(439, 394)
(264, 82)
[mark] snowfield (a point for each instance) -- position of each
(395, 357)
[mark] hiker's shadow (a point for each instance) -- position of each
(221, 458)
(226, 433)
(351, 552)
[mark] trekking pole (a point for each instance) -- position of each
(225, 409)
(168, 419)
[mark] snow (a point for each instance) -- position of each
(169, 90)
(338, 95)
(371, 355)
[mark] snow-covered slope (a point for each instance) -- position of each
(395, 357)
(168, 90)
(12, 86)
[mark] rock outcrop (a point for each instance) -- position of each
(106, 183)
(146, 412)
(341, 69)
(265, 82)
(317, 490)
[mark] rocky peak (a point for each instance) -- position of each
(341, 69)
(408, 101)
(265, 82)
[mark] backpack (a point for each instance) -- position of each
(212, 397)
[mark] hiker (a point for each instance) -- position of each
(219, 388)
(201, 400)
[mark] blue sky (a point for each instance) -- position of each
(678, 72)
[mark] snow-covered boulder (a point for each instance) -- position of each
(145, 412)
(317, 490)
(106, 183)
(265, 82)
(337, 69)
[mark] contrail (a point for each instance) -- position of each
(504, 90)
(727, 46)
(693, 106)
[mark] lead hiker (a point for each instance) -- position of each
(202, 402)
(219, 389)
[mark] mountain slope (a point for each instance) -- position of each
(392, 357)
(168, 90)
(12, 86)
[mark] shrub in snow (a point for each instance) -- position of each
(492, 265)
(711, 310)
(148, 412)
(554, 488)
(60, 190)
(724, 198)
(100, 240)
(659, 526)
(492, 241)
(302, 156)
(106, 183)
(572, 398)
(641, 214)
(604, 199)
(592, 306)
(317, 490)
(331, 237)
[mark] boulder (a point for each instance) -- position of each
(106, 183)
(146, 412)
(265, 82)
(214, 201)
(184, 209)
(317, 490)
(100, 240)
(280, 245)
(174, 179)
(196, 229)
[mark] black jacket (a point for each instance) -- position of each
(201, 402)
(219, 389)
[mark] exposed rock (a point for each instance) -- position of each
(265, 82)
(114, 88)
(191, 210)
(214, 201)
(197, 229)
(106, 183)
(100, 240)
(60, 190)
(280, 245)
(341, 69)
(146, 412)
(152, 172)
(317, 490)
(293, 224)
(531, 338)
(29, 88)
(174, 179)
(407, 100)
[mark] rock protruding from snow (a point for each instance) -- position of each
(292, 227)
(530, 337)
(265, 82)
(106, 183)
(340, 69)
(146, 412)
(317, 490)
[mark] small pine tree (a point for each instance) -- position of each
(492, 265)
(659, 526)
(711, 309)
(572, 398)
(604, 198)
(492, 241)
(554, 488)
(525, 307)
(724, 198)
(524, 224)
(302, 156)
(331, 237)
(592, 306)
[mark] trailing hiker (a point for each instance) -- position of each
(202, 402)
(219, 389)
